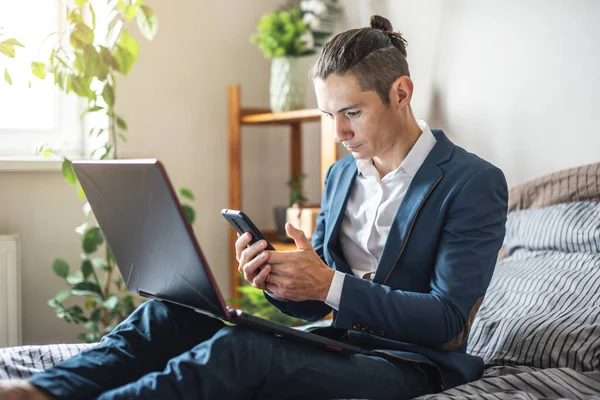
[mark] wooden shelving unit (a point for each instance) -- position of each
(240, 116)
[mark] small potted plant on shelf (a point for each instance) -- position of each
(301, 214)
(296, 199)
(294, 30)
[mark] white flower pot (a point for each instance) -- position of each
(288, 84)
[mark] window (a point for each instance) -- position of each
(41, 114)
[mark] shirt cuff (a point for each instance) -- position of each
(334, 295)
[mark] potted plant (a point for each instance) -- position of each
(296, 198)
(253, 301)
(295, 30)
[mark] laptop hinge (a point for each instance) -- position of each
(148, 295)
(198, 310)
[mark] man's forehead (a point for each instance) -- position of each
(334, 82)
(337, 92)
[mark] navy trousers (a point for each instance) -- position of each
(163, 351)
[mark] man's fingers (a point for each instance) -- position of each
(259, 280)
(241, 243)
(249, 269)
(250, 252)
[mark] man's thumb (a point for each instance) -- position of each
(302, 243)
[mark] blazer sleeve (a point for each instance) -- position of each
(465, 260)
(310, 310)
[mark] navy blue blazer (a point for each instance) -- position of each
(435, 267)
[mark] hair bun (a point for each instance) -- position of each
(381, 23)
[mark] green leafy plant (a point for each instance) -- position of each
(8, 49)
(86, 62)
(297, 28)
(106, 301)
(253, 301)
(280, 33)
(296, 194)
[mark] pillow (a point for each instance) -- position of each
(542, 306)
(568, 227)
(569, 185)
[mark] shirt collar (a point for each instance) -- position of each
(413, 160)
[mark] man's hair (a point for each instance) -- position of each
(375, 56)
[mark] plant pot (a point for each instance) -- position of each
(288, 84)
(280, 214)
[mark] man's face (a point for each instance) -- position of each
(363, 124)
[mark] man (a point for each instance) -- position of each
(405, 247)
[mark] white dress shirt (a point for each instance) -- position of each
(370, 212)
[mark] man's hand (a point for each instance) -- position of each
(20, 390)
(252, 260)
(298, 275)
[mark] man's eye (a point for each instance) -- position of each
(329, 116)
(352, 114)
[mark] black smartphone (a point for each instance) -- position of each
(242, 224)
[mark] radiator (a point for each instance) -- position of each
(10, 292)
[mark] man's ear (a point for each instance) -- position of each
(401, 92)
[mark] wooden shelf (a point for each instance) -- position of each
(279, 245)
(249, 117)
(238, 117)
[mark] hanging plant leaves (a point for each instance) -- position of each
(121, 124)
(107, 58)
(130, 7)
(81, 35)
(108, 94)
(86, 268)
(92, 239)
(38, 69)
(147, 22)
(126, 52)
(60, 267)
(7, 77)
(7, 47)
(190, 214)
(92, 62)
(68, 172)
(186, 193)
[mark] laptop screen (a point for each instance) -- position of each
(156, 251)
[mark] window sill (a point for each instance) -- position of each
(32, 164)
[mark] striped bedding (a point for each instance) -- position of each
(22, 362)
(538, 329)
(497, 382)
(527, 383)
(542, 308)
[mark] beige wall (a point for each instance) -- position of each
(43, 210)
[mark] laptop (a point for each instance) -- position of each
(155, 248)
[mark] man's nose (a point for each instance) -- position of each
(341, 131)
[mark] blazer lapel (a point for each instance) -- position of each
(426, 179)
(336, 214)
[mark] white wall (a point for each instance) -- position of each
(513, 81)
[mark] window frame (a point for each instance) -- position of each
(68, 137)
